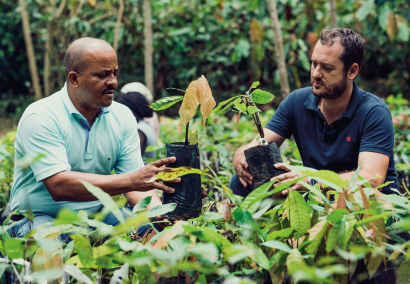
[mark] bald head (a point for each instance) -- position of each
(79, 53)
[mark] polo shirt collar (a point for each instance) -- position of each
(71, 108)
(312, 102)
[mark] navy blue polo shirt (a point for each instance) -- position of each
(366, 126)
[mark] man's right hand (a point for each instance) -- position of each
(141, 176)
(242, 170)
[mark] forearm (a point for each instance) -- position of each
(366, 175)
(134, 197)
(66, 186)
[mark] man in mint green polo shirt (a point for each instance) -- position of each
(83, 135)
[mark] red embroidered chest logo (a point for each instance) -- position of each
(348, 139)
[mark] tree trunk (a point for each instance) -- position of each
(118, 25)
(30, 50)
(333, 13)
(149, 69)
(280, 54)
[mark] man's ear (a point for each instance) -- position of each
(73, 78)
(353, 71)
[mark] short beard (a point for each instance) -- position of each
(331, 92)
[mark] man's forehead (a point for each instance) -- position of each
(327, 53)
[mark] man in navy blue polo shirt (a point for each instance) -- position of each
(336, 125)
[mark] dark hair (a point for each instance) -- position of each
(137, 103)
(353, 45)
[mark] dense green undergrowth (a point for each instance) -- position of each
(349, 233)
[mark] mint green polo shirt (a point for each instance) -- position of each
(54, 127)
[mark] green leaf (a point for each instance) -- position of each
(207, 235)
(255, 194)
(277, 245)
(259, 256)
(105, 199)
(84, 250)
(315, 191)
(294, 261)
(75, 272)
(364, 10)
(161, 210)
(240, 105)
(19, 248)
(166, 102)
(254, 85)
(348, 231)
(298, 213)
(145, 275)
(142, 205)
(212, 216)
(244, 219)
(261, 97)
(354, 177)
(66, 216)
(403, 273)
(333, 236)
(329, 178)
(223, 107)
(284, 233)
(252, 110)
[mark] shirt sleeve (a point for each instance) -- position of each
(281, 119)
(129, 158)
(39, 135)
(378, 133)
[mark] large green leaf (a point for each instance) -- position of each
(207, 235)
(315, 191)
(240, 105)
(298, 213)
(277, 245)
(19, 248)
(105, 199)
(166, 102)
(161, 210)
(261, 97)
(142, 205)
(244, 219)
(84, 250)
(284, 233)
(259, 256)
(333, 236)
(403, 273)
(347, 233)
(255, 194)
(294, 261)
(172, 173)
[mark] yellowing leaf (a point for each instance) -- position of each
(391, 28)
(173, 173)
(316, 234)
(193, 137)
(205, 98)
(169, 235)
(226, 211)
(256, 31)
(189, 106)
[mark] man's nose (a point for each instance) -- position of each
(113, 81)
(316, 72)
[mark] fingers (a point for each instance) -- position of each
(296, 186)
(244, 173)
(163, 223)
(163, 187)
(244, 183)
(174, 180)
(282, 166)
(164, 161)
(286, 176)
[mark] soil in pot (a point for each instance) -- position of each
(187, 195)
(261, 160)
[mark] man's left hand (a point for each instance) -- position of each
(288, 176)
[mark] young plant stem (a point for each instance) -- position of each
(186, 134)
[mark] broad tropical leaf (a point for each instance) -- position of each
(255, 194)
(298, 213)
(333, 236)
(142, 205)
(161, 210)
(166, 102)
(188, 107)
(84, 250)
(277, 245)
(193, 137)
(75, 272)
(207, 235)
(403, 273)
(284, 233)
(262, 97)
(294, 261)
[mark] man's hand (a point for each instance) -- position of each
(287, 177)
(242, 170)
(141, 176)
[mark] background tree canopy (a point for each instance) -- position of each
(229, 41)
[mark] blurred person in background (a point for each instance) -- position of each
(143, 90)
(138, 104)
